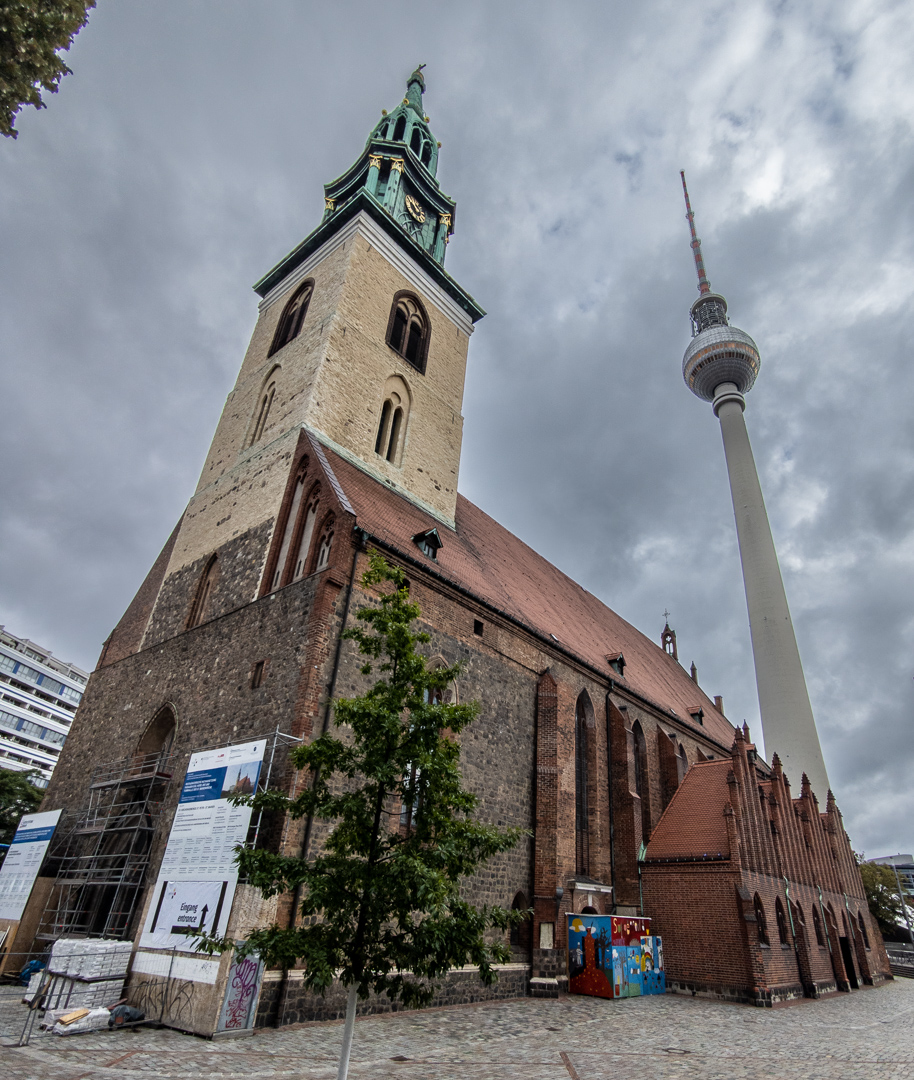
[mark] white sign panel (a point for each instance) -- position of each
(198, 874)
(23, 861)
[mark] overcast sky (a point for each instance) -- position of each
(187, 153)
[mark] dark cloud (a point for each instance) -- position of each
(187, 153)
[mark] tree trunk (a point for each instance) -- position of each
(343, 1071)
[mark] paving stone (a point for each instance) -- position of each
(867, 1035)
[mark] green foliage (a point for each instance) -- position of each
(18, 796)
(881, 890)
(31, 34)
(381, 899)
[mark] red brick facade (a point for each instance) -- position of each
(756, 893)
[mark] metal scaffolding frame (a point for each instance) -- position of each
(100, 854)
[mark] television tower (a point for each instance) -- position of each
(720, 365)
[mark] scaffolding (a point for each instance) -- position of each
(100, 854)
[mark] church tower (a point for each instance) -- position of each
(720, 365)
(361, 339)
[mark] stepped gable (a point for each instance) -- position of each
(496, 567)
(694, 825)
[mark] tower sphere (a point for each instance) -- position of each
(718, 353)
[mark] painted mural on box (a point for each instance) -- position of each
(653, 977)
(614, 957)
(590, 955)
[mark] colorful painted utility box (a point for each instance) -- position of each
(613, 957)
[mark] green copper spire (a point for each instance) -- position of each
(392, 181)
(397, 169)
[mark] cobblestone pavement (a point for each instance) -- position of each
(868, 1034)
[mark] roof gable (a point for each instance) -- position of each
(693, 826)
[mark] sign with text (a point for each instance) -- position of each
(197, 878)
(23, 861)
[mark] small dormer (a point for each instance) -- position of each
(429, 543)
(697, 713)
(617, 662)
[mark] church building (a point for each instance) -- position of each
(342, 436)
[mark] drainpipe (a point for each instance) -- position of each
(360, 538)
(793, 932)
(642, 851)
(612, 824)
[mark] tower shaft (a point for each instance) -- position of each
(788, 725)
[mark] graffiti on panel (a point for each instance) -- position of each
(169, 1000)
(241, 994)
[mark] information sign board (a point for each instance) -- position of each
(197, 878)
(23, 861)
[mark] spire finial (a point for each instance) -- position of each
(415, 88)
(704, 286)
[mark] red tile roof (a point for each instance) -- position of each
(693, 825)
(492, 565)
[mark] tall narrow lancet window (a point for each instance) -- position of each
(642, 786)
(263, 406)
(288, 531)
(325, 545)
(408, 330)
(781, 921)
(761, 922)
(199, 609)
(391, 436)
(292, 318)
(583, 732)
(307, 532)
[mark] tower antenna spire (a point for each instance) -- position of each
(704, 286)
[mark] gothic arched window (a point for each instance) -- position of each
(408, 330)
(291, 522)
(761, 922)
(518, 934)
(642, 786)
(262, 409)
(159, 735)
(199, 609)
(325, 544)
(392, 425)
(781, 921)
(290, 322)
(583, 733)
(400, 129)
(309, 517)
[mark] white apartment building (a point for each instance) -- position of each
(38, 699)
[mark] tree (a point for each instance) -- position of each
(881, 890)
(381, 903)
(18, 796)
(32, 32)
